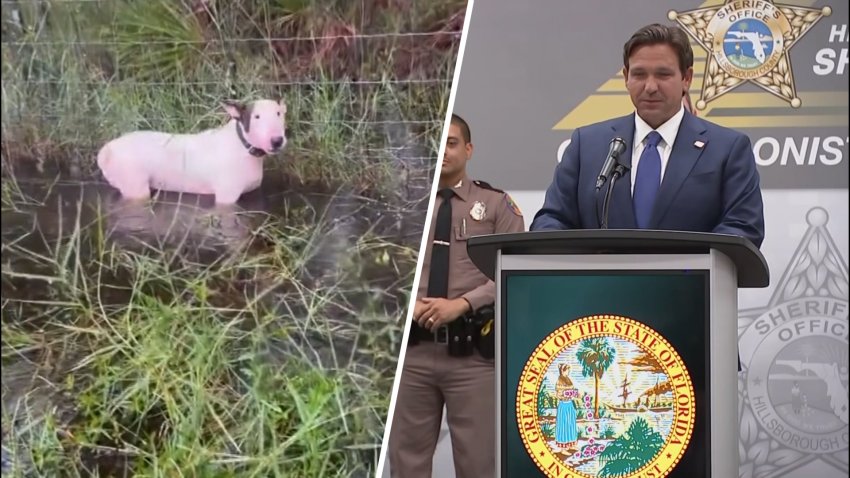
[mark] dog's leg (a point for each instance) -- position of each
(132, 182)
(135, 188)
(227, 195)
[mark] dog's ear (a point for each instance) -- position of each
(234, 108)
(279, 99)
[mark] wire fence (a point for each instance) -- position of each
(303, 123)
(361, 98)
(306, 39)
(381, 82)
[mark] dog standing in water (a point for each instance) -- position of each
(225, 161)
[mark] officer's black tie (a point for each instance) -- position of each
(438, 277)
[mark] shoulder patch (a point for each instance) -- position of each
(512, 205)
(484, 185)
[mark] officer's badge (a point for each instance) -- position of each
(478, 211)
(512, 205)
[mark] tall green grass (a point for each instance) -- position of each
(240, 366)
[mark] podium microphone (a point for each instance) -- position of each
(615, 149)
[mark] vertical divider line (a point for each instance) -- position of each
(434, 183)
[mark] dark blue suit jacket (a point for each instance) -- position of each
(713, 188)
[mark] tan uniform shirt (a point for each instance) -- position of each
(477, 209)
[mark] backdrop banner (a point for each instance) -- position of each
(532, 73)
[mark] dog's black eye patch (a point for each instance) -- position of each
(247, 113)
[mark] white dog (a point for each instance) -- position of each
(225, 161)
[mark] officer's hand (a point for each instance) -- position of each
(418, 308)
(439, 312)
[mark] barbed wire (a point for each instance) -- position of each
(90, 144)
(93, 151)
(35, 3)
(119, 83)
(366, 159)
(231, 40)
(309, 123)
(412, 143)
(32, 181)
(292, 135)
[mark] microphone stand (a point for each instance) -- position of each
(619, 170)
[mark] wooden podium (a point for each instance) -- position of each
(616, 351)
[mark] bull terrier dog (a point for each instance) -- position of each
(225, 161)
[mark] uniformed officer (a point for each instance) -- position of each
(447, 363)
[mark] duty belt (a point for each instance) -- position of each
(441, 336)
(463, 335)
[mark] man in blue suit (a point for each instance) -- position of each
(682, 173)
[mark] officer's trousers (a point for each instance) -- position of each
(466, 386)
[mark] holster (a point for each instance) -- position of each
(485, 330)
(461, 336)
(473, 331)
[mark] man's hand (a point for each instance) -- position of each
(418, 308)
(436, 312)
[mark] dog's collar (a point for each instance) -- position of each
(252, 150)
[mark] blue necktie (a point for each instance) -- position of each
(647, 180)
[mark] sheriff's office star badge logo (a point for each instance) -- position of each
(605, 396)
(793, 406)
(748, 41)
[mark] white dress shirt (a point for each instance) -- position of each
(668, 132)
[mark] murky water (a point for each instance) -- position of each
(320, 231)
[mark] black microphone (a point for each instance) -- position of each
(619, 171)
(615, 149)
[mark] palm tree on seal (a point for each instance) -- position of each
(595, 356)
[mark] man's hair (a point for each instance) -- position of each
(661, 34)
(464, 128)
